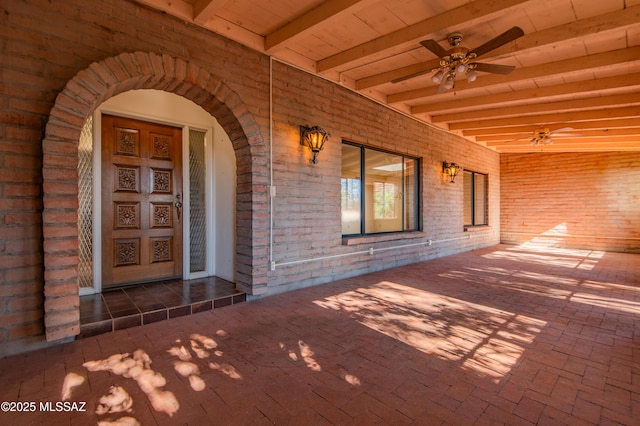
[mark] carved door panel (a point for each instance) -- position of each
(141, 201)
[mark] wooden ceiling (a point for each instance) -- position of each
(577, 67)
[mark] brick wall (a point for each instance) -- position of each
(60, 60)
(308, 247)
(581, 200)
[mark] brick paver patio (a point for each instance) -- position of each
(505, 335)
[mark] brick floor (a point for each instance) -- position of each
(505, 335)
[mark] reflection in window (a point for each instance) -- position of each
(379, 191)
(384, 200)
(351, 189)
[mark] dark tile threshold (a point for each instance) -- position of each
(146, 303)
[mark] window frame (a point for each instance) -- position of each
(363, 200)
(473, 175)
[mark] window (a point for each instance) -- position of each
(379, 191)
(475, 199)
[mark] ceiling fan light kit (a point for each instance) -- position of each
(449, 81)
(471, 76)
(437, 77)
(541, 141)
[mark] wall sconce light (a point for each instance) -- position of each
(451, 170)
(314, 137)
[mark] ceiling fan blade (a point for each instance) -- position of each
(502, 39)
(563, 129)
(410, 76)
(435, 48)
(562, 133)
(541, 141)
(494, 68)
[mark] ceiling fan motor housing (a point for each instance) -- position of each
(454, 38)
(458, 52)
(542, 136)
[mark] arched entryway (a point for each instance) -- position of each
(206, 213)
(82, 95)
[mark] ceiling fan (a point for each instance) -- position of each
(460, 60)
(543, 136)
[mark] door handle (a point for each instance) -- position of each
(178, 205)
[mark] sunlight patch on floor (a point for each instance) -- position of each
(599, 286)
(546, 278)
(71, 381)
(302, 352)
(195, 355)
(606, 302)
(486, 340)
(555, 285)
(522, 281)
(552, 241)
(117, 400)
(541, 254)
(535, 258)
(199, 347)
(136, 366)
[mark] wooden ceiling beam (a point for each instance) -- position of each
(604, 145)
(302, 25)
(564, 117)
(180, 8)
(472, 11)
(562, 33)
(185, 11)
(560, 147)
(531, 109)
(543, 70)
(503, 138)
(582, 125)
(630, 142)
(203, 10)
(389, 76)
(532, 95)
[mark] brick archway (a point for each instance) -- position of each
(81, 96)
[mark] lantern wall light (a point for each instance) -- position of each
(313, 137)
(451, 170)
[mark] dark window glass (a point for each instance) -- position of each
(475, 199)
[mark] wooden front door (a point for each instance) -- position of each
(141, 201)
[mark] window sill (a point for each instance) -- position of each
(370, 239)
(478, 228)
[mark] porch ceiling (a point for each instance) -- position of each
(577, 67)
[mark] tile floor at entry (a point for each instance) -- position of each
(125, 307)
(511, 335)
